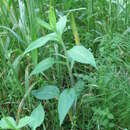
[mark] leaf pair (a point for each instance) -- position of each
(65, 99)
(34, 121)
(10, 123)
(77, 53)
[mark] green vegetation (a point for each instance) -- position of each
(65, 64)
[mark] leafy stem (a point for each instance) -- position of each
(70, 73)
(67, 60)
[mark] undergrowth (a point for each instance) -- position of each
(64, 65)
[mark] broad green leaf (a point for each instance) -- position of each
(82, 55)
(66, 100)
(41, 42)
(46, 92)
(37, 117)
(43, 65)
(61, 24)
(7, 123)
(43, 24)
(23, 122)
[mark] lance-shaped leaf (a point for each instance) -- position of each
(46, 92)
(10, 123)
(82, 55)
(41, 42)
(66, 100)
(61, 24)
(37, 117)
(75, 31)
(43, 65)
(43, 24)
(7, 123)
(23, 122)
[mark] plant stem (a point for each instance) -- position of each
(126, 12)
(22, 103)
(67, 61)
(110, 17)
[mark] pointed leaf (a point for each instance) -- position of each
(61, 24)
(23, 122)
(7, 123)
(41, 42)
(43, 24)
(46, 92)
(17, 61)
(43, 65)
(82, 55)
(37, 117)
(52, 18)
(66, 100)
(75, 31)
(14, 33)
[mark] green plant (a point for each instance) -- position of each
(80, 54)
(77, 53)
(34, 120)
(52, 57)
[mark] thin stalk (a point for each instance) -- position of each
(110, 17)
(22, 103)
(126, 14)
(27, 84)
(117, 11)
(57, 65)
(89, 12)
(67, 61)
